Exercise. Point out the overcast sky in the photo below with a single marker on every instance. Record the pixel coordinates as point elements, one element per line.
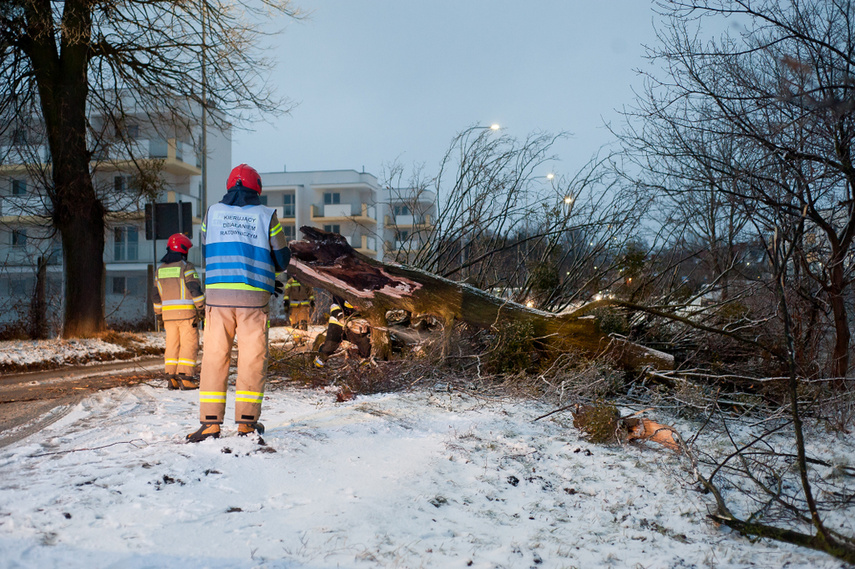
<point>376,81</point>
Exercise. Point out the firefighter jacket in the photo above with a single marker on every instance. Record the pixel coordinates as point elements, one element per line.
<point>177,291</point>
<point>297,295</point>
<point>245,248</point>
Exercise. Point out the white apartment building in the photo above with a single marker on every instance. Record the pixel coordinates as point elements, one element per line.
<point>381,223</point>
<point>408,222</point>
<point>343,201</point>
<point>128,256</point>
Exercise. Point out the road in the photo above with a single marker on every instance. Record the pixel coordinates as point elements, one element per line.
<point>31,401</point>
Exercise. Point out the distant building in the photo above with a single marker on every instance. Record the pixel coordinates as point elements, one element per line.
<point>381,223</point>
<point>26,236</point>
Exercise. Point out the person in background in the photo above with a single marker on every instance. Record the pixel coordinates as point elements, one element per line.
<point>245,248</point>
<point>344,324</point>
<point>299,303</point>
<point>178,299</point>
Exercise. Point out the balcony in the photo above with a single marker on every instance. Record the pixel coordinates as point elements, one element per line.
<point>366,245</point>
<point>330,213</point>
<point>25,208</point>
<point>178,157</point>
<point>408,221</point>
<point>14,158</point>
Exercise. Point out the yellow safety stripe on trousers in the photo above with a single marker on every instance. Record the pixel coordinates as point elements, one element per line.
<point>212,397</point>
<point>171,361</point>
<point>249,396</point>
<point>186,362</point>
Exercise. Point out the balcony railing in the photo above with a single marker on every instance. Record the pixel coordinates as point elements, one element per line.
<point>360,212</point>
<point>15,155</point>
<point>409,220</point>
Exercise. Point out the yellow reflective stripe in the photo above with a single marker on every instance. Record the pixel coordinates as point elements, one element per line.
<point>180,307</point>
<point>169,272</point>
<point>171,361</point>
<point>334,320</point>
<point>191,272</point>
<point>186,362</point>
<point>234,286</point>
<point>249,396</point>
<point>276,230</point>
<point>212,397</point>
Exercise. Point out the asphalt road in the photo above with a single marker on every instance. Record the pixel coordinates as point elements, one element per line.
<point>31,401</point>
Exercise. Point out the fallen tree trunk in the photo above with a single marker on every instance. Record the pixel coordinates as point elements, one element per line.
<point>327,261</point>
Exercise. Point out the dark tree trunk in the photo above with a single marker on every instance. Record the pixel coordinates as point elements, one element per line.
<point>327,261</point>
<point>60,68</point>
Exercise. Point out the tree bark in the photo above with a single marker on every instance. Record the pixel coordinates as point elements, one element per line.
<point>60,69</point>
<point>327,261</point>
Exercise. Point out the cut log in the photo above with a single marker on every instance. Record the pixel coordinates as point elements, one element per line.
<point>602,423</point>
<point>326,260</point>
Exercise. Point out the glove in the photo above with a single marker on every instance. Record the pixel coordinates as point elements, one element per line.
<point>279,287</point>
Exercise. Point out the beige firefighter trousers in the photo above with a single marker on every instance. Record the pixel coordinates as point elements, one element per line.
<point>222,324</point>
<point>182,346</point>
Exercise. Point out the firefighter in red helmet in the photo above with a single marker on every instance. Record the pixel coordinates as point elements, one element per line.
<point>245,248</point>
<point>178,298</point>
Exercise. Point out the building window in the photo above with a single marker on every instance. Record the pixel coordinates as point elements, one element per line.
<point>21,287</point>
<point>19,238</point>
<point>130,286</point>
<point>336,228</point>
<point>402,210</point>
<point>133,131</point>
<point>288,207</point>
<point>332,198</point>
<point>19,187</point>
<point>19,137</point>
<point>126,242</point>
<point>55,252</point>
<point>402,235</point>
<point>119,184</point>
<point>290,232</point>
<point>119,285</point>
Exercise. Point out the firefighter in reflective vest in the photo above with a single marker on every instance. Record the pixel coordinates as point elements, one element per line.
<point>344,324</point>
<point>245,247</point>
<point>299,302</point>
<point>178,298</point>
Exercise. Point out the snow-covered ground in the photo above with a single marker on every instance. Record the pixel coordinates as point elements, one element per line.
<point>417,479</point>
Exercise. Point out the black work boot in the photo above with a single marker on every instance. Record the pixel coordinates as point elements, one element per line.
<point>172,382</point>
<point>206,431</point>
<point>246,428</point>
<point>186,382</point>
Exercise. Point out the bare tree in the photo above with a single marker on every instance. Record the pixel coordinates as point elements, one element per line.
<point>64,63</point>
<point>765,121</point>
<point>507,228</point>
<point>762,123</point>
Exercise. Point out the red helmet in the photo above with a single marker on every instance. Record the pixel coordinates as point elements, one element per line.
<point>246,176</point>
<point>179,242</point>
